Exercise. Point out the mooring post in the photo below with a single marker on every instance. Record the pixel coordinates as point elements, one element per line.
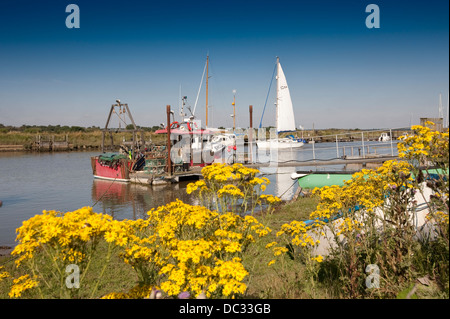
<point>337,147</point>
<point>103,141</point>
<point>391,138</point>
<point>169,162</point>
<point>313,150</point>
<point>250,134</point>
<point>362,139</point>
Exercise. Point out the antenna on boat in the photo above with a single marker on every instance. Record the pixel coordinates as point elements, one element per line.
<point>207,77</point>
<point>183,103</point>
<point>199,88</point>
<point>234,110</point>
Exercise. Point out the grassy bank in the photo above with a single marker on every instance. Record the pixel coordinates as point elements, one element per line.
<point>77,140</point>
<point>92,138</point>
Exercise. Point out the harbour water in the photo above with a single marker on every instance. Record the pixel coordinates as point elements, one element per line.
<point>63,181</point>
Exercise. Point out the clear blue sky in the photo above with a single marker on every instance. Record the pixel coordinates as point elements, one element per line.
<point>340,73</point>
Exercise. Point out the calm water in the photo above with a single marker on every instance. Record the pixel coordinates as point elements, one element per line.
<point>32,182</point>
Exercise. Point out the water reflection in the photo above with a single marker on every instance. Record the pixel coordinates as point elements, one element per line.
<point>133,201</point>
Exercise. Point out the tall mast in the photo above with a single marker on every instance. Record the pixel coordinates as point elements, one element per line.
<point>207,69</point>
<point>276,100</point>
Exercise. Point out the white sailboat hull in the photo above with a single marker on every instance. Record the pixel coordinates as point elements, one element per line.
<point>280,143</point>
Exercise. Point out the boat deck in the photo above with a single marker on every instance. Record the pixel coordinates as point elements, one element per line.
<point>348,160</point>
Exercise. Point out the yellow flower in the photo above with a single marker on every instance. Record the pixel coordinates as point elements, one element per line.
<point>231,190</point>
<point>3,274</point>
<point>270,263</point>
<point>318,259</point>
<point>20,285</point>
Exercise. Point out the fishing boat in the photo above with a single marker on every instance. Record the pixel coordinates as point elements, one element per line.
<point>285,119</point>
<point>130,158</point>
<point>191,144</point>
<point>111,166</point>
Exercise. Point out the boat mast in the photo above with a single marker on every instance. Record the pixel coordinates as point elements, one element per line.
<point>207,69</point>
<point>276,100</point>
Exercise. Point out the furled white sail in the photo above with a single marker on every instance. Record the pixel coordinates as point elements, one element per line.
<point>285,111</point>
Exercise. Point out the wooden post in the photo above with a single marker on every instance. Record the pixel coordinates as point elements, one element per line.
<point>169,161</point>
<point>314,152</point>
<point>112,140</point>
<point>103,141</point>
<point>337,147</point>
<point>392,147</point>
<point>362,139</point>
<point>250,134</point>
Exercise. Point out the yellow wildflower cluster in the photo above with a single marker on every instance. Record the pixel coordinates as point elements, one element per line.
<point>68,238</point>
<point>66,233</point>
<point>270,199</point>
<point>233,188</point>
<point>198,185</point>
<point>424,144</point>
<point>440,217</point>
<point>318,259</point>
<point>21,285</point>
<point>365,190</point>
<point>330,201</point>
<point>396,174</point>
<point>179,247</point>
<point>227,173</point>
<point>347,226</point>
<point>3,274</point>
<point>137,292</point>
<point>199,250</point>
<point>230,190</point>
<point>299,234</point>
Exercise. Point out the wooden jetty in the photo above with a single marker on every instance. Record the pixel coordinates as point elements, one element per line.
<point>11,148</point>
<point>49,143</point>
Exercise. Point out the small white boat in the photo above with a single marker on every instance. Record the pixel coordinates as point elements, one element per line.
<point>384,137</point>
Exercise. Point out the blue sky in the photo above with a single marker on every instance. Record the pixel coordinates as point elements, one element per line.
<point>340,73</point>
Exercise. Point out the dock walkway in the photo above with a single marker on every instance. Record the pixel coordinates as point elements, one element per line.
<point>194,173</point>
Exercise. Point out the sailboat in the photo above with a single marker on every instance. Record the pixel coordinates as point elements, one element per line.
<point>285,120</point>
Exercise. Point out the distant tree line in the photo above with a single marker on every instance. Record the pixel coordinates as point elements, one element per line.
<point>62,128</point>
